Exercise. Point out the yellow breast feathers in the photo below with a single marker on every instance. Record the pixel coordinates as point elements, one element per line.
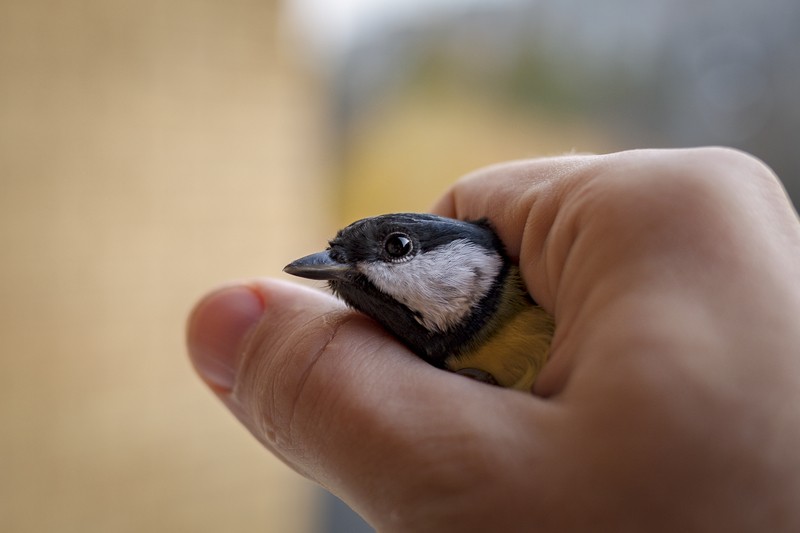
<point>517,348</point>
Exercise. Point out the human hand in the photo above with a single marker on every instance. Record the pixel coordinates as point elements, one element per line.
<point>671,400</point>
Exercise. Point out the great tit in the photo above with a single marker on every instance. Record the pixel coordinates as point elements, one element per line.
<point>444,287</point>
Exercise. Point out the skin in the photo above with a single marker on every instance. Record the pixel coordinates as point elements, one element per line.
<point>671,401</point>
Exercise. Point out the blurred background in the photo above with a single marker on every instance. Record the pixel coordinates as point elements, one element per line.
<point>150,150</point>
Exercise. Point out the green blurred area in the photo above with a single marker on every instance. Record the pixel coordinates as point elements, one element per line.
<point>423,98</point>
<point>405,157</point>
<point>443,121</point>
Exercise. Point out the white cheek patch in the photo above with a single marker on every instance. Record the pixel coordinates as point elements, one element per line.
<point>441,285</point>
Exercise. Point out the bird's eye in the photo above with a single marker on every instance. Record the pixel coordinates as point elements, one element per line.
<point>398,246</point>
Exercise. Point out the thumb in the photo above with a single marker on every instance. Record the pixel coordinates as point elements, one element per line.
<point>342,402</point>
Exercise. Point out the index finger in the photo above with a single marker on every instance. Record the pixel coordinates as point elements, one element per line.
<point>507,193</point>
<point>522,200</point>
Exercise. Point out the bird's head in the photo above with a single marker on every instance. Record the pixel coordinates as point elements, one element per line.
<point>428,279</point>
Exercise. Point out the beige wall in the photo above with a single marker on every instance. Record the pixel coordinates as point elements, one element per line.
<point>148,150</point>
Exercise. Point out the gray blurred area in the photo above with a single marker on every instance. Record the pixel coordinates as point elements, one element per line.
<point>645,73</point>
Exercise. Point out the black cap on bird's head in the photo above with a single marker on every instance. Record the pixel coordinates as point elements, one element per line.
<point>430,280</point>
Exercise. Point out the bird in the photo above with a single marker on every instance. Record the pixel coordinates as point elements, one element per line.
<point>444,287</point>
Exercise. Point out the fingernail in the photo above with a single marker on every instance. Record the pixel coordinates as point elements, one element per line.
<point>216,332</point>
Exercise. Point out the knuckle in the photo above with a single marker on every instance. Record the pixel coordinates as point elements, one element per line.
<point>683,185</point>
<point>658,202</point>
<point>731,167</point>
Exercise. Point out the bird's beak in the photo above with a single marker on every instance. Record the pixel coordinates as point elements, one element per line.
<point>317,266</point>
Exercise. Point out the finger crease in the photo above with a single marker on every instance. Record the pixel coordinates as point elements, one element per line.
<point>335,324</point>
